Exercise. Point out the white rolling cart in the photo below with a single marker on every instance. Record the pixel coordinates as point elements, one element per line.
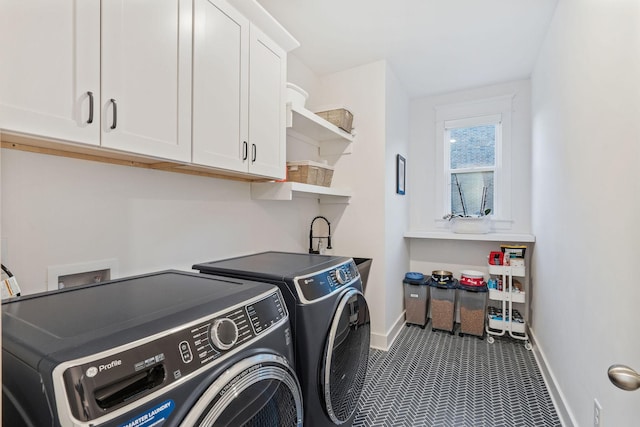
<point>507,319</point>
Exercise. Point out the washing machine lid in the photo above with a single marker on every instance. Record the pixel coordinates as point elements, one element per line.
<point>78,321</point>
<point>272,265</point>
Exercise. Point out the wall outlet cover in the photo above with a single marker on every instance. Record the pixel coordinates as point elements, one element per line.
<point>597,413</point>
<point>56,272</point>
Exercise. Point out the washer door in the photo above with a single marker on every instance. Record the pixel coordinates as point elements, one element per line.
<point>346,357</point>
<point>258,391</point>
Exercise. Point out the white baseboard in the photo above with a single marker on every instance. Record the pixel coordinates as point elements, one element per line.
<point>384,342</point>
<point>559,401</point>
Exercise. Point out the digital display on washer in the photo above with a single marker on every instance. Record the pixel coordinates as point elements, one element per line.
<point>96,386</point>
<point>265,313</point>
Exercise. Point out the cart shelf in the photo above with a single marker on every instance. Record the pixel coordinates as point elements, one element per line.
<point>507,270</point>
<point>500,322</point>
<point>500,325</point>
<point>496,295</point>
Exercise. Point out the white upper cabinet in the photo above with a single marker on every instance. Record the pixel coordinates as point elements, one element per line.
<point>127,88</point>
<point>194,82</point>
<point>220,86</point>
<point>50,76</point>
<point>238,93</point>
<point>267,106</point>
<point>146,77</point>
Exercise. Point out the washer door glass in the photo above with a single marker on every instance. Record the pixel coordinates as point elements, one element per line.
<point>258,391</point>
<point>346,357</point>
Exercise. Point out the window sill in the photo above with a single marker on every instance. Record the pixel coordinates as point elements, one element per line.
<point>488,237</point>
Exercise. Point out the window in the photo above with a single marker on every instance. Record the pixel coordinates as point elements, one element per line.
<point>476,168</point>
<point>471,147</point>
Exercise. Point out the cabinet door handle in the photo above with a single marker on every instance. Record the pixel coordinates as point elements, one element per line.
<point>115,113</point>
<point>90,107</point>
<point>245,150</point>
<point>254,152</point>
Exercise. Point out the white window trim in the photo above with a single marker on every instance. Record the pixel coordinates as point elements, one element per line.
<point>469,113</point>
<point>473,121</point>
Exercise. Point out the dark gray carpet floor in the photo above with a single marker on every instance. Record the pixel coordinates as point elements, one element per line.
<point>436,379</point>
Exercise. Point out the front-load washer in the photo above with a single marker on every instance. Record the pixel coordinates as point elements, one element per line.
<point>164,349</point>
<point>330,321</point>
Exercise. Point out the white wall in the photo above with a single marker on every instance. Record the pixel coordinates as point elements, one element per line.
<point>427,215</point>
<point>303,148</point>
<point>373,224</point>
<point>361,224</point>
<point>58,211</point>
<point>2,249</point>
<point>299,74</point>
<point>396,205</point>
<point>586,194</point>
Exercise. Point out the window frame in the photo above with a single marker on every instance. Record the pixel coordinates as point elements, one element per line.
<point>470,113</point>
<point>495,120</point>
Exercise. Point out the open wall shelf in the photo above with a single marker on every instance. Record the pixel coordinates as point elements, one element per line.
<point>287,190</point>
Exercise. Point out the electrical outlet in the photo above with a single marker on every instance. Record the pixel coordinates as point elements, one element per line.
<point>597,413</point>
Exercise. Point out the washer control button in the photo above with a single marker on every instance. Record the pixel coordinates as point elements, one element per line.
<point>341,277</point>
<point>224,333</point>
<point>185,352</point>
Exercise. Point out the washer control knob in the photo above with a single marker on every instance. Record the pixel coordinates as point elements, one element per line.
<point>224,333</point>
<point>341,277</point>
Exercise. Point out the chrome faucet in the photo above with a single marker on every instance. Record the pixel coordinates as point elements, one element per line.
<point>311,236</point>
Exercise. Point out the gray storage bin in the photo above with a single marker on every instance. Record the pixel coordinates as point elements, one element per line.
<point>416,300</point>
<point>443,303</point>
<point>473,301</point>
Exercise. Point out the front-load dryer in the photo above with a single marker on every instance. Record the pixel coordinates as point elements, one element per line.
<point>164,349</point>
<point>330,321</point>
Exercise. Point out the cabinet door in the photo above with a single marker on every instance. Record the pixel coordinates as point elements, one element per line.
<point>220,86</point>
<point>50,56</point>
<point>146,77</point>
<point>267,126</point>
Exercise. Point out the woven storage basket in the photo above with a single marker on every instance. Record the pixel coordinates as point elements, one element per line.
<point>308,172</point>
<point>339,117</point>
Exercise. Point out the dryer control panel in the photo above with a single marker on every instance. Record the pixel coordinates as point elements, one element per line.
<point>102,384</point>
<point>322,284</point>
<point>209,340</point>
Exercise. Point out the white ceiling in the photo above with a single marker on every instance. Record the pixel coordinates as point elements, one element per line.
<point>433,46</point>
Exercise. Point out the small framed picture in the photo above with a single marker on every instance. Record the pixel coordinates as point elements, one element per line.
<point>400,174</point>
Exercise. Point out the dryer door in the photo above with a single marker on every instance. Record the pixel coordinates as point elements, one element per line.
<point>346,356</point>
<point>258,391</point>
